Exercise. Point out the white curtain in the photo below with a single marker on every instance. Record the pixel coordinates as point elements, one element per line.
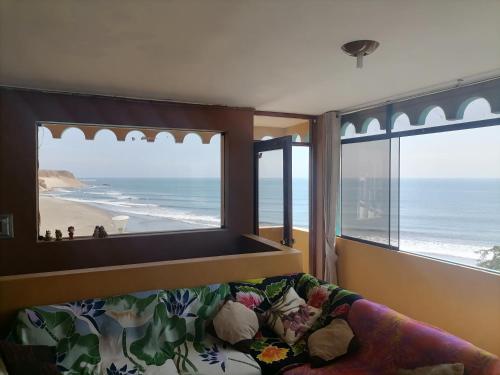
<point>331,130</point>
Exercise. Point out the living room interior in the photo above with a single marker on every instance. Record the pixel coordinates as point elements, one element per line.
<point>249,187</point>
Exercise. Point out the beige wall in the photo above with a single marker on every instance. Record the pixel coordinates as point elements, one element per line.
<point>301,129</point>
<point>19,291</point>
<point>461,300</point>
<point>301,237</point>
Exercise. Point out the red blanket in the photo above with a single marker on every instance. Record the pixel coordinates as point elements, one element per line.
<point>390,341</point>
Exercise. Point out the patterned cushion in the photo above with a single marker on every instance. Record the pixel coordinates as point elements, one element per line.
<point>261,294</point>
<point>334,301</point>
<point>291,317</point>
<point>274,355</point>
<point>268,349</point>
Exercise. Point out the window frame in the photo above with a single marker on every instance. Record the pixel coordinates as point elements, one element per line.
<point>464,125</point>
<point>142,128</point>
<point>428,130</point>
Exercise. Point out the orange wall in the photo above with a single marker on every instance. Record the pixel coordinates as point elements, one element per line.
<point>301,237</point>
<point>19,291</point>
<point>461,300</point>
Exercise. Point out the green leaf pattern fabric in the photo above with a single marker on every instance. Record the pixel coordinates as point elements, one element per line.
<point>163,331</point>
<point>135,334</point>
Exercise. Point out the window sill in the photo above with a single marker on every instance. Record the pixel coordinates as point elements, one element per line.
<point>420,255</point>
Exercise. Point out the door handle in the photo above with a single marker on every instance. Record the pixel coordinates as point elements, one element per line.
<point>283,242</point>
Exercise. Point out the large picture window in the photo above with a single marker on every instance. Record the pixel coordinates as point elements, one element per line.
<point>450,194</point>
<point>435,193</point>
<point>127,180</point>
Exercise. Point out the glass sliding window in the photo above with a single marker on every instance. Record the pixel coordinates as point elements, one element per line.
<point>431,186</point>
<point>394,194</point>
<point>300,182</point>
<point>365,190</point>
<point>270,185</point>
<point>127,180</point>
<point>450,196</point>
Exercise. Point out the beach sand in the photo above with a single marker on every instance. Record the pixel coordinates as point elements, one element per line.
<point>59,214</point>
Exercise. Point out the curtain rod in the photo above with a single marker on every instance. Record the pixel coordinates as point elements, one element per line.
<point>451,85</point>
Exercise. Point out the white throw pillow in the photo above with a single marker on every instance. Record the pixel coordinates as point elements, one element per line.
<point>330,342</point>
<point>235,322</point>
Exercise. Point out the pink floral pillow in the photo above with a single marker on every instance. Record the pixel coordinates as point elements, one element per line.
<point>291,317</point>
<point>249,299</point>
<point>318,295</point>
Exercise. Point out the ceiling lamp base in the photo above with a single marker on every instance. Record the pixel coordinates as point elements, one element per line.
<point>360,49</point>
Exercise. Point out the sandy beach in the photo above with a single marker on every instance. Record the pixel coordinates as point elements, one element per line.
<point>57,213</point>
<point>150,205</point>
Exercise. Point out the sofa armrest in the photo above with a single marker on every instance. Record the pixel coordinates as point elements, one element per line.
<point>386,335</point>
<point>334,301</point>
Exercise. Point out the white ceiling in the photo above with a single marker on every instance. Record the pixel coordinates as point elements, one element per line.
<point>274,55</point>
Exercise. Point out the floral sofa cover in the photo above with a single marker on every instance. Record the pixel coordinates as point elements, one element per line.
<point>165,332</point>
<point>154,332</point>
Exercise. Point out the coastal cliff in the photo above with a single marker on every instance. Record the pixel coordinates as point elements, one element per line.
<point>49,179</point>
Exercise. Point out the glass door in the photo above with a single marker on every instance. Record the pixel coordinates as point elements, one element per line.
<point>273,189</point>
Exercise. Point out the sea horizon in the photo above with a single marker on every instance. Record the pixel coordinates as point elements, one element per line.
<point>458,217</point>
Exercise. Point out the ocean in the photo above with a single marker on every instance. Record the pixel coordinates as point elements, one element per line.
<point>158,204</point>
<point>448,217</point>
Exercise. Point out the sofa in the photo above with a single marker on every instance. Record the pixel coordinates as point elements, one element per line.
<point>169,332</point>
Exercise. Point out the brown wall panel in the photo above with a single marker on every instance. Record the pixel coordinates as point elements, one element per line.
<point>20,110</point>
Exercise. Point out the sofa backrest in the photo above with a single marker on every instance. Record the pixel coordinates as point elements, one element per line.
<point>148,328</point>
<point>260,294</point>
<point>144,328</point>
<point>392,341</point>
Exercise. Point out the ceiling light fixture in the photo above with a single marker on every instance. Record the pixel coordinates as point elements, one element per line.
<point>359,49</point>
